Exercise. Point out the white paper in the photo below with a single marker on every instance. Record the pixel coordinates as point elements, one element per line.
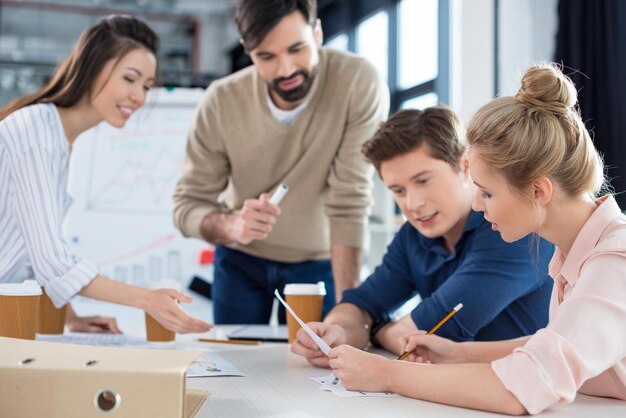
<point>99,339</point>
<point>208,364</point>
<point>212,365</point>
<point>320,343</point>
<point>332,384</point>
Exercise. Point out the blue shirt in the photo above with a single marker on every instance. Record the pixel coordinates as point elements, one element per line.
<point>505,288</point>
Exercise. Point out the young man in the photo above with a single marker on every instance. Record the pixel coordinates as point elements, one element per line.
<point>446,252</point>
<point>298,116</point>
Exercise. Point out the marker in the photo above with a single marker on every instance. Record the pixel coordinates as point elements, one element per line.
<point>436,327</point>
<point>278,195</point>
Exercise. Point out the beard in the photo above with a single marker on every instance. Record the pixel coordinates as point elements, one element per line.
<point>297,93</point>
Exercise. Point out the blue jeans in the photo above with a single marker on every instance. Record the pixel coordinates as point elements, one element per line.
<point>243,285</point>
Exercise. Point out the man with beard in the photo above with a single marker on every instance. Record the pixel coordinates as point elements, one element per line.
<point>298,116</point>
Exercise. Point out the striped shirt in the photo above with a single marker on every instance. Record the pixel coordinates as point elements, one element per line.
<point>34,160</point>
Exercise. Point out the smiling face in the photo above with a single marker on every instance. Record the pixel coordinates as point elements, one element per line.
<point>122,86</point>
<point>509,213</point>
<point>434,197</point>
<point>287,59</point>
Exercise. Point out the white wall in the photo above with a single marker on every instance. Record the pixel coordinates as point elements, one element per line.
<point>472,60</point>
<point>527,34</point>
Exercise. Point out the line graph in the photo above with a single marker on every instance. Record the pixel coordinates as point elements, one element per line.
<point>135,170</point>
<point>122,182</point>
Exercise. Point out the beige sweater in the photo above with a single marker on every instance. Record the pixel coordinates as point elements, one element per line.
<point>238,150</point>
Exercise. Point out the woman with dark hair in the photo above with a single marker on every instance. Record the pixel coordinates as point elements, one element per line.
<point>105,78</point>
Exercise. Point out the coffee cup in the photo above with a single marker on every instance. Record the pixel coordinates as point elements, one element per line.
<point>307,301</point>
<point>155,332</point>
<point>19,309</point>
<point>51,318</point>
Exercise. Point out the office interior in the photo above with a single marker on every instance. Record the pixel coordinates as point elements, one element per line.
<point>453,52</point>
<point>460,53</point>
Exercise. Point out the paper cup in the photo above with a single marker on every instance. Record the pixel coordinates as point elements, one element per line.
<point>19,309</point>
<point>307,301</point>
<point>155,332</point>
<point>51,319</point>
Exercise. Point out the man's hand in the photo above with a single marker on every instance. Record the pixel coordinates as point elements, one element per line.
<point>304,345</point>
<point>254,221</point>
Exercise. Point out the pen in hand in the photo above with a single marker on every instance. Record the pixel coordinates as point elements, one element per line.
<point>436,327</point>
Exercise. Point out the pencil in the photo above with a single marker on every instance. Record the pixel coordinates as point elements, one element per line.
<point>244,342</point>
<point>436,327</point>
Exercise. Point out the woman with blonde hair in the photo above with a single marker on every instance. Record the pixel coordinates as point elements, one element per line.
<point>538,171</point>
<point>105,78</point>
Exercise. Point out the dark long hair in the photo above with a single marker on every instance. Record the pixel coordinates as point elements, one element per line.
<point>111,38</point>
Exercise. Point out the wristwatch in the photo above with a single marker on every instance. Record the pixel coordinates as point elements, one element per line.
<point>376,326</point>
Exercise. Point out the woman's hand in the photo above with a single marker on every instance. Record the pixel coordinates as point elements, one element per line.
<point>163,305</point>
<point>427,348</point>
<point>359,370</point>
<point>92,324</point>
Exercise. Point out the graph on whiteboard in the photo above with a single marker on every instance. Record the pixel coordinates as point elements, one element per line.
<point>135,169</point>
<point>122,181</point>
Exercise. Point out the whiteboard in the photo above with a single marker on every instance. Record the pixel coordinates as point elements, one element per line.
<point>122,182</point>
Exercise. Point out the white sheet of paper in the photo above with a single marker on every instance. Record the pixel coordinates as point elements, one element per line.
<point>98,339</point>
<point>208,364</point>
<point>320,343</point>
<point>332,384</point>
<point>212,365</point>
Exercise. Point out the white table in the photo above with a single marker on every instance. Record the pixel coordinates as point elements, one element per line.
<point>277,383</point>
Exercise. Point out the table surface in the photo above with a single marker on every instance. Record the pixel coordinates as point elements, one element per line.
<point>278,384</point>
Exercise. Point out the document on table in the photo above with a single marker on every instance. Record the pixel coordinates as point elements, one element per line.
<point>330,382</point>
<point>212,365</point>
<point>333,384</point>
<point>99,339</point>
<point>208,364</point>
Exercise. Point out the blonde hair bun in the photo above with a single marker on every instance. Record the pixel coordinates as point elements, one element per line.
<point>538,133</point>
<point>547,88</point>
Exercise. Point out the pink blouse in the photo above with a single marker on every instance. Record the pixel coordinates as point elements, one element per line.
<point>583,347</point>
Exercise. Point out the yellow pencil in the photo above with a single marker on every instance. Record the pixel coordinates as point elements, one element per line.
<point>436,327</point>
<point>244,342</point>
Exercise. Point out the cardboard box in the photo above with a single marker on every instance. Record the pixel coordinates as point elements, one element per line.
<point>53,380</point>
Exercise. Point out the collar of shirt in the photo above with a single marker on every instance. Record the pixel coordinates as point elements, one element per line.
<point>287,117</point>
<point>568,267</point>
<point>437,245</point>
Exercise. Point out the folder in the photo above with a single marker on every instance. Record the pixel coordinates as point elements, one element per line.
<point>54,380</point>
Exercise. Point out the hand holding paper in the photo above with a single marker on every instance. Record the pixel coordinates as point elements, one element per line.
<point>316,338</point>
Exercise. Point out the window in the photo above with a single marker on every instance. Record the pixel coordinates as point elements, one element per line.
<point>372,41</point>
<point>405,40</point>
<point>420,102</point>
<point>340,41</point>
<point>417,42</point>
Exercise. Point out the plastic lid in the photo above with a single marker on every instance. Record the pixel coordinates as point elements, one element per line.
<point>305,289</point>
<point>26,288</point>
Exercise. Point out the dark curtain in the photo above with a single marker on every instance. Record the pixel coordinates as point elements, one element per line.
<point>591,44</point>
